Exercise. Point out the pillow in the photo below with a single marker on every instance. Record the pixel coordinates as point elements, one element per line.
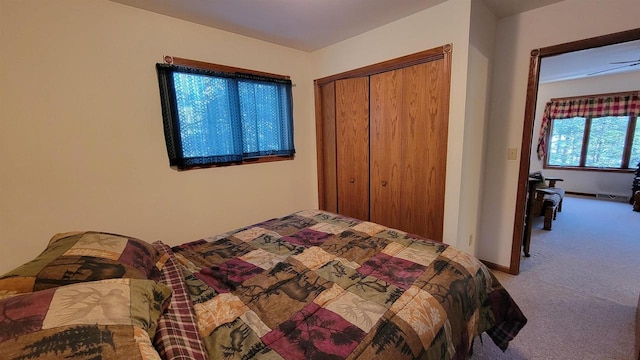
<point>177,336</point>
<point>108,319</point>
<point>82,256</point>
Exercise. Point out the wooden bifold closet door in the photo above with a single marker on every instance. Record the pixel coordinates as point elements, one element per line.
<point>352,147</point>
<point>382,141</point>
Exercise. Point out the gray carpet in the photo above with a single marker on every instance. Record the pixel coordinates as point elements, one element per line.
<point>579,289</point>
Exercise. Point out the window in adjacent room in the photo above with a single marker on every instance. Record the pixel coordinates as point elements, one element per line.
<point>611,142</point>
<point>218,115</point>
<point>597,132</point>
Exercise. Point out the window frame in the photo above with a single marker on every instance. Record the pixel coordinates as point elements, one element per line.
<point>171,60</point>
<point>626,152</point>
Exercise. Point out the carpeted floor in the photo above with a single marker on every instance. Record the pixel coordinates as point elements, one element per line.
<point>579,289</point>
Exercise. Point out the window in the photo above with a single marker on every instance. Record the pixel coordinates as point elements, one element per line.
<point>608,142</point>
<point>591,132</point>
<point>214,117</point>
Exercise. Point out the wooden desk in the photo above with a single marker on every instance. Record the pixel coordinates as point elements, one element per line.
<point>528,217</point>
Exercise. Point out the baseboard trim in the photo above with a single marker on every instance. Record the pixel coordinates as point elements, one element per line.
<point>580,193</point>
<point>493,266</point>
<point>611,197</point>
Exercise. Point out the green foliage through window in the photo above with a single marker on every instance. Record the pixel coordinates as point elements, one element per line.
<point>609,142</point>
<point>215,117</point>
<point>566,142</point>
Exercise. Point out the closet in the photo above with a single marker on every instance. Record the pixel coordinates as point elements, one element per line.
<point>382,142</point>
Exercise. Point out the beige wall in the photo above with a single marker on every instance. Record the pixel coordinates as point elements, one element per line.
<point>590,182</point>
<point>562,22</point>
<point>439,25</point>
<point>481,54</point>
<point>81,137</point>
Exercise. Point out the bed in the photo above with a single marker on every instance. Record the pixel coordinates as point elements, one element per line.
<point>309,285</point>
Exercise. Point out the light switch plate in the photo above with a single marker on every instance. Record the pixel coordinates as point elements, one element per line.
<point>512,153</point>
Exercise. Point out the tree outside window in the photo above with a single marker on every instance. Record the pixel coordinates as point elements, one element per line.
<point>594,132</point>
<point>609,142</point>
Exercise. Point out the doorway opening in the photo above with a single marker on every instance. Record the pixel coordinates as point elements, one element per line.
<point>527,133</point>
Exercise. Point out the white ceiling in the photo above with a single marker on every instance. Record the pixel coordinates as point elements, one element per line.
<point>307,25</point>
<point>591,62</point>
<point>504,8</point>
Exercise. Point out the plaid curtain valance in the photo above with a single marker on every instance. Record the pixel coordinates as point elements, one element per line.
<point>626,105</point>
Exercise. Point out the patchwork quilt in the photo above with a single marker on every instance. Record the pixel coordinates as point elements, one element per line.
<point>106,319</point>
<point>316,285</point>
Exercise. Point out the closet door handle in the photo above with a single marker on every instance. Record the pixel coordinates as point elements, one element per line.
<point>384,183</point>
<point>352,180</point>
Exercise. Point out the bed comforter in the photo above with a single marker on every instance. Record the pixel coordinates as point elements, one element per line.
<point>316,285</point>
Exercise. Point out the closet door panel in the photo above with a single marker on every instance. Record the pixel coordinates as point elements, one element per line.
<point>329,183</point>
<point>386,154</point>
<point>424,147</point>
<point>352,147</point>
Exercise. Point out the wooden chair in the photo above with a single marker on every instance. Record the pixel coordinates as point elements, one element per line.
<point>548,198</point>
